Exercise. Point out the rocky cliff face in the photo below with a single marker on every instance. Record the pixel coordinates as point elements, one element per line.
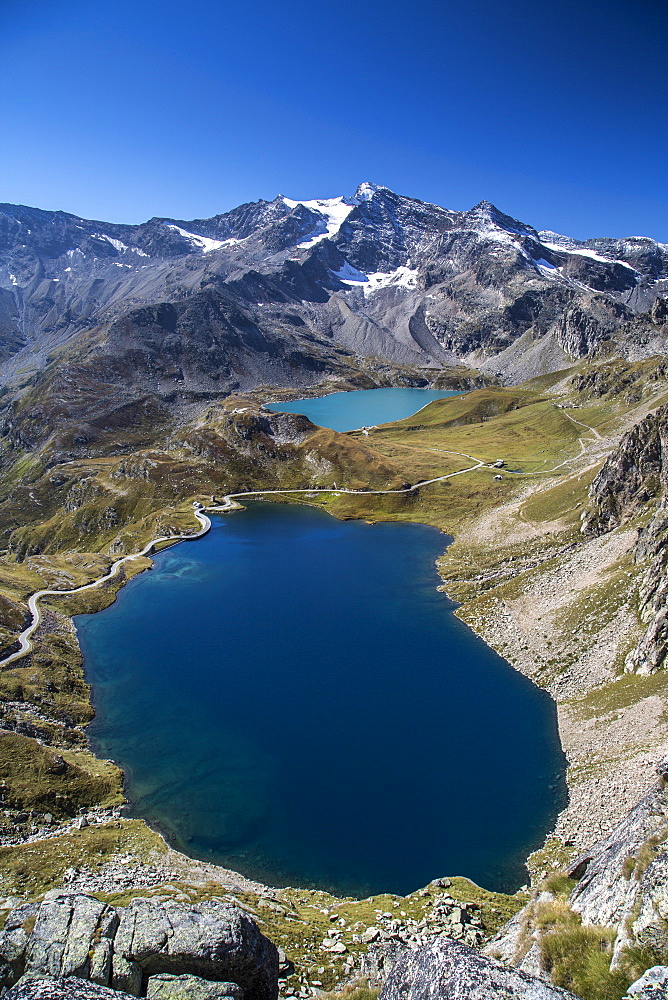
<point>635,474</point>
<point>632,483</point>
<point>620,895</point>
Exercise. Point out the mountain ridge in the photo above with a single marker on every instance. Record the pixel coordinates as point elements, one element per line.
<point>378,274</point>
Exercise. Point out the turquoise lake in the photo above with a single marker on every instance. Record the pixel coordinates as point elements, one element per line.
<point>291,697</point>
<point>347,411</point>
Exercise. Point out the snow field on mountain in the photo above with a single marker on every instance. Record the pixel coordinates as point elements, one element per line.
<point>402,277</point>
<point>335,210</point>
<point>203,242</point>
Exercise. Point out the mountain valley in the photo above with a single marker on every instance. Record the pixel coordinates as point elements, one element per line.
<point>136,362</point>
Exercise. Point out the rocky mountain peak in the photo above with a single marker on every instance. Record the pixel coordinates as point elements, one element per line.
<point>377,273</point>
<point>366,190</point>
<point>486,214</point>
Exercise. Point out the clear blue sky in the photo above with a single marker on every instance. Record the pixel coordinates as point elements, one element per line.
<point>124,109</point>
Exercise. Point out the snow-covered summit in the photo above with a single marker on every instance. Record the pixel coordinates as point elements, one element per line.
<point>366,190</point>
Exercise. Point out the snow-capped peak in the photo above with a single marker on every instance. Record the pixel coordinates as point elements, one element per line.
<point>367,190</point>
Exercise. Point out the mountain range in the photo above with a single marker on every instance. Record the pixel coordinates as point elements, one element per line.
<point>279,292</point>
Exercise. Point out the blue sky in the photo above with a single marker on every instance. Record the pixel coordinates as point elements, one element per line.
<point>124,109</point>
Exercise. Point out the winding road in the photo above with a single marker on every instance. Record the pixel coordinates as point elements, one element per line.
<point>229,503</point>
<point>25,640</point>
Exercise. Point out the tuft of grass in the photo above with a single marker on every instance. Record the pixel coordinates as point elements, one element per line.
<point>560,884</point>
<point>578,959</point>
<point>354,992</point>
<point>628,866</point>
<point>556,913</point>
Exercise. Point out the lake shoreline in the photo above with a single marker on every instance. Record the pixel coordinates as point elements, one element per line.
<point>437,544</point>
<point>230,503</point>
<point>478,628</point>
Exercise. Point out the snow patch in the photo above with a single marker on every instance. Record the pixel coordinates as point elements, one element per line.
<point>350,274</point>
<point>12,278</point>
<point>116,244</point>
<point>202,243</point>
<point>67,269</point>
<point>120,246</point>
<point>335,212</point>
<point>402,277</point>
<point>563,247</point>
<point>546,264</point>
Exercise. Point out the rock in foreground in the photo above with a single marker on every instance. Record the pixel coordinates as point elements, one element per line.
<point>165,987</point>
<point>447,969</point>
<point>48,988</point>
<point>76,935</point>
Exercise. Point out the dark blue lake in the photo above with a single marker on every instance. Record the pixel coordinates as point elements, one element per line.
<point>292,697</point>
<point>347,411</point>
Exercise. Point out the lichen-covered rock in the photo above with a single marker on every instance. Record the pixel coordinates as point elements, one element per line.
<point>448,969</point>
<point>608,889</point>
<point>166,987</point>
<point>49,988</point>
<point>215,940</point>
<point>125,976</point>
<point>72,933</point>
<point>14,941</point>
<point>646,924</point>
<point>76,935</point>
<point>652,985</point>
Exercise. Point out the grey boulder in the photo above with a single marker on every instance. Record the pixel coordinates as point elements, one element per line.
<point>13,943</point>
<point>448,969</point>
<point>76,935</point>
<point>166,987</point>
<point>652,985</point>
<point>214,940</point>
<point>49,988</point>
<point>72,936</point>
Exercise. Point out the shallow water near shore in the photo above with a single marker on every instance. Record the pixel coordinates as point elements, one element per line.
<point>291,697</point>
<point>348,411</point>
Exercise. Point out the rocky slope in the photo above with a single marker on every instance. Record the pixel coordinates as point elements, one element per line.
<point>633,479</point>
